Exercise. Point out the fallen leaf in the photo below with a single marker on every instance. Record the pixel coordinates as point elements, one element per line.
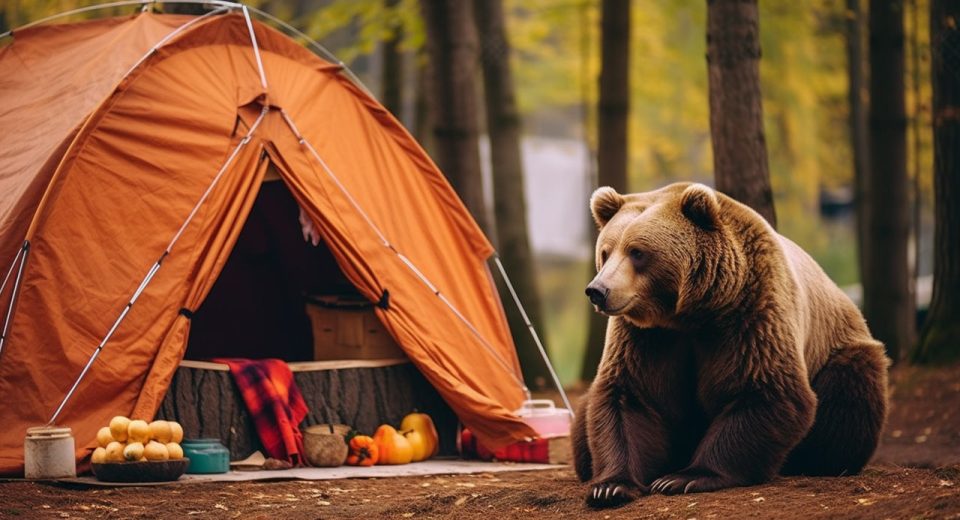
<point>407,515</point>
<point>466,484</point>
<point>691,504</point>
<point>865,501</point>
<point>325,503</point>
<point>946,483</point>
<point>920,439</point>
<point>759,499</point>
<point>460,501</point>
<point>896,434</point>
<point>220,506</point>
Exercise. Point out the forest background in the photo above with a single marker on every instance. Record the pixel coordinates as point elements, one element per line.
<point>555,61</point>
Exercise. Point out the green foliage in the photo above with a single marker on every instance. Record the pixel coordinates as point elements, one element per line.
<point>359,26</point>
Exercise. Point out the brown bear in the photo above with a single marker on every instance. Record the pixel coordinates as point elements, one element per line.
<point>729,354</point>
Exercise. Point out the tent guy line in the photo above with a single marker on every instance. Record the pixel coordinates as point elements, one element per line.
<point>533,333</point>
<point>156,266</point>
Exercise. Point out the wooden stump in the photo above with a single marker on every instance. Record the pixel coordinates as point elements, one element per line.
<point>207,403</point>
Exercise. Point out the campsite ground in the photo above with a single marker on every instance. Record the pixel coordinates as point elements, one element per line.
<point>916,474</point>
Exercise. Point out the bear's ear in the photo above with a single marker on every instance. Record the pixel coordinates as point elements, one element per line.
<point>699,204</point>
<point>604,204</point>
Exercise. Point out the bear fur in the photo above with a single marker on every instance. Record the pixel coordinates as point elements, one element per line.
<point>729,354</point>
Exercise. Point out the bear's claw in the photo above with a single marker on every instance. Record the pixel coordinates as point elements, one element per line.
<point>609,494</point>
<point>673,485</point>
<point>678,483</point>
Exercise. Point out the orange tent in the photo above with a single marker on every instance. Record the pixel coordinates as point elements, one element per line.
<point>131,153</point>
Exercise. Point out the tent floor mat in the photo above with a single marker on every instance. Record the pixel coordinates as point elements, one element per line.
<point>425,468</point>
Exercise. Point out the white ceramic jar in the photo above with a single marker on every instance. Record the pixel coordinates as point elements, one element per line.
<point>49,452</point>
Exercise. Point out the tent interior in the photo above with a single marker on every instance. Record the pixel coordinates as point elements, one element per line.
<point>256,308</point>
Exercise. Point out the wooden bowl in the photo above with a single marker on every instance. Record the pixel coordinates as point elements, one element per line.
<point>141,471</point>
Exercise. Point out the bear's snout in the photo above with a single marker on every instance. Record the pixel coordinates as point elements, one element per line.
<point>597,294</point>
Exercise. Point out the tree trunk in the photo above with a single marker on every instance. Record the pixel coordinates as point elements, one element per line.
<point>614,107</point>
<point>859,137</point>
<point>452,47</point>
<point>509,206</point>
<point>196,9</point>
<point>422,118</point>
<point>887,300</point>
<point>392,81</point>
<point>940,339</point>
<point>736,112</point>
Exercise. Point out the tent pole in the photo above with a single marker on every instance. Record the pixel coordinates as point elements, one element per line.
<point>13,264</point>
<point>170,36</point>
<point>256,48</point>
<point>518,378</point>
<point>533,333</point>
<point>121,3</point>
<point>156,266</point>
<point>319,48</point>
<point>22,256</point>
<point>222,5</point>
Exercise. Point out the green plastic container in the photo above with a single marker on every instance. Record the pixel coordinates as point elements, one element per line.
<point>206,455</point>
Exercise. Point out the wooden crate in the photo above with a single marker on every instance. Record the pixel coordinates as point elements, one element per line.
<point>350,332</point>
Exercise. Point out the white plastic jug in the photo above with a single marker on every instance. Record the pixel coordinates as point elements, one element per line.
<point>544,417</point>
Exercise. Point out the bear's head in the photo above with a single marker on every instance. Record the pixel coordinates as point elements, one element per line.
<point>659,253</point>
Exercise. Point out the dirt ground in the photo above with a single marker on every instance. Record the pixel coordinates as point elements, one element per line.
<point>915,474</point>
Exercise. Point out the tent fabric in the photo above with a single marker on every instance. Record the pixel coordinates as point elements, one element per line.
<point>108,162</point>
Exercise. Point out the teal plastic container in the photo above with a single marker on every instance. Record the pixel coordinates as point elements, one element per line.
<point>206,455</point>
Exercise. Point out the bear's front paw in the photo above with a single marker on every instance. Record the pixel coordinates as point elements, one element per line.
<point>687,482</point>
<point>610,494</point>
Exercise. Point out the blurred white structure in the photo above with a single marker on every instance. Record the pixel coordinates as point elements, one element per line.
<point>558,187</point>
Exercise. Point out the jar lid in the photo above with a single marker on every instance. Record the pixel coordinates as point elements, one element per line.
<point>204,441</point>
<point>48,432</point>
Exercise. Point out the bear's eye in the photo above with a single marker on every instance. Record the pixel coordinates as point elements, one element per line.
<point>603,256</point>
<point>638,258</point>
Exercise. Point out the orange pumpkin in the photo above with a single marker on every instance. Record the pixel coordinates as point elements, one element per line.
<point>363,451</point>
<point>394,448</point>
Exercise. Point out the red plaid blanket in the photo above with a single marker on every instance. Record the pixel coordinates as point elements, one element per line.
<point>275,404</point>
